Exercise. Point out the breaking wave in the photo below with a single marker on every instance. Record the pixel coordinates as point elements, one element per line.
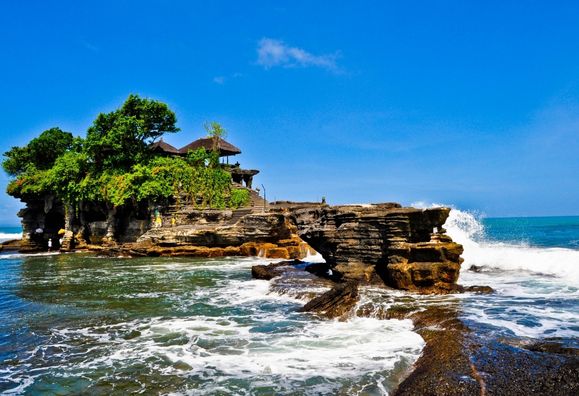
<point>488,255</point>
<point>536,287</point>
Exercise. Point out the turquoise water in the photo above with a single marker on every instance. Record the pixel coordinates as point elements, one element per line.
<point>535,231</point>
<point>75,323</point>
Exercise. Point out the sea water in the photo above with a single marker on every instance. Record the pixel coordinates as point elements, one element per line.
<point>77,323</point>
<point>532,263</point>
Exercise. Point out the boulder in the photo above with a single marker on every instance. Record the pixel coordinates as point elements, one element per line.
<point>273,270</point>
<point>336,302</point>
<point>266,272</point>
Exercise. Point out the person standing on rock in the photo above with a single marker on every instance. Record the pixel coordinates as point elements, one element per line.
<point>49,244</point>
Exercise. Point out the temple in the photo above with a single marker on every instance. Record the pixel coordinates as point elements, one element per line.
<point>243,177</point>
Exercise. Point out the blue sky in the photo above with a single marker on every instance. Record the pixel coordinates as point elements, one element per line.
<point>474,104</point>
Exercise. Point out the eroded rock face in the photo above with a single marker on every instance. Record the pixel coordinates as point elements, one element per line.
<point>267,235</point>
<point>254,227</point>
<point>405,248</point>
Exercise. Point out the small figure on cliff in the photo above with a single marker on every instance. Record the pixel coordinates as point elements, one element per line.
<point>158,221</point>
<point>173,221</point>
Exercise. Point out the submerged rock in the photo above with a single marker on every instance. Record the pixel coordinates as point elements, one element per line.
<point>265,272</point>
<point>479,289</point>
<point>336,302</point>
<point>271,271</point>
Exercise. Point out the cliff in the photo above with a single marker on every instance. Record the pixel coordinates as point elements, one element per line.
<point>404,248</point>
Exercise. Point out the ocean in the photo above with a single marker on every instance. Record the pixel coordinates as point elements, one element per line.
<point>76,323</point>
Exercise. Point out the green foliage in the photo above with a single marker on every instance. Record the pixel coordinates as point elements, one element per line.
<point>40,153</point>
<point>216,132</point>
<point>119,139</point>
<point>239,198</point>
<point>65,176</point>
<point>114,165</point>
<point>30,183</point>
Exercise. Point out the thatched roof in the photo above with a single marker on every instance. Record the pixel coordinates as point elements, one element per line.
<point>163,147</point>
<point>225,148</point>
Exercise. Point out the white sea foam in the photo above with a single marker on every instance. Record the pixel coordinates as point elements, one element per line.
<point>7,236</point>
<point>223,348</point>
<point>20,255</point>
<point>314,258</point>
<point>536,288</point>
<point>466,229</point>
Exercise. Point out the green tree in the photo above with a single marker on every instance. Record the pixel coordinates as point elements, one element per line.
<point>65,176</point>
<point>216,132</point>
<point>113,166</point>
<point>40,153</point>
<point>120,139</point>
<point>239,197</point>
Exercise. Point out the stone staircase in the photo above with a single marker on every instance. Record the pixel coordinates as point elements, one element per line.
<point>256,205</point>
<point>257,202</point>
<point>238,214</point>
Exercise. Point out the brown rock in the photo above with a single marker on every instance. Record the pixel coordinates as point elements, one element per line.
<point>272,270</point>
<point>335,302</point>
<point>405,248</point>
<point>253,227</point>
<point>14,244</point>
<point>277,253</point>
<point>265,272</point>
<point>479,289</point>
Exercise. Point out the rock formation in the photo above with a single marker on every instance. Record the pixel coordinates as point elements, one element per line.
<point>270,271</point>
<point>405,248</point>
<point>251,234</point>
<point>336,302</point>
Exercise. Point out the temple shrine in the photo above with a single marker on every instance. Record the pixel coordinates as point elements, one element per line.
<point>243,177</point>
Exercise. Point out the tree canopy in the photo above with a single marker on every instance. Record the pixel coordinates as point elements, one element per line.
<point>119,139</point>
<point>115,166</point>
<point>40,153</point>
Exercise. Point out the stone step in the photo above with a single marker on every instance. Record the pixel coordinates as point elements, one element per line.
<point>238,214</point>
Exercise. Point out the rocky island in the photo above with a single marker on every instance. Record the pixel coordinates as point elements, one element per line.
<point>125,190</point>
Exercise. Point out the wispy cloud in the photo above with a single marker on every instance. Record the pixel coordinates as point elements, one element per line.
<point>272,53</point>
<point>89,46</point>
<point>220,80</point>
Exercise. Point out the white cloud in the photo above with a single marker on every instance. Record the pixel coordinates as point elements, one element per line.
<point>220,80</point>
<point>272,53</point>
<point>89,46</point>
